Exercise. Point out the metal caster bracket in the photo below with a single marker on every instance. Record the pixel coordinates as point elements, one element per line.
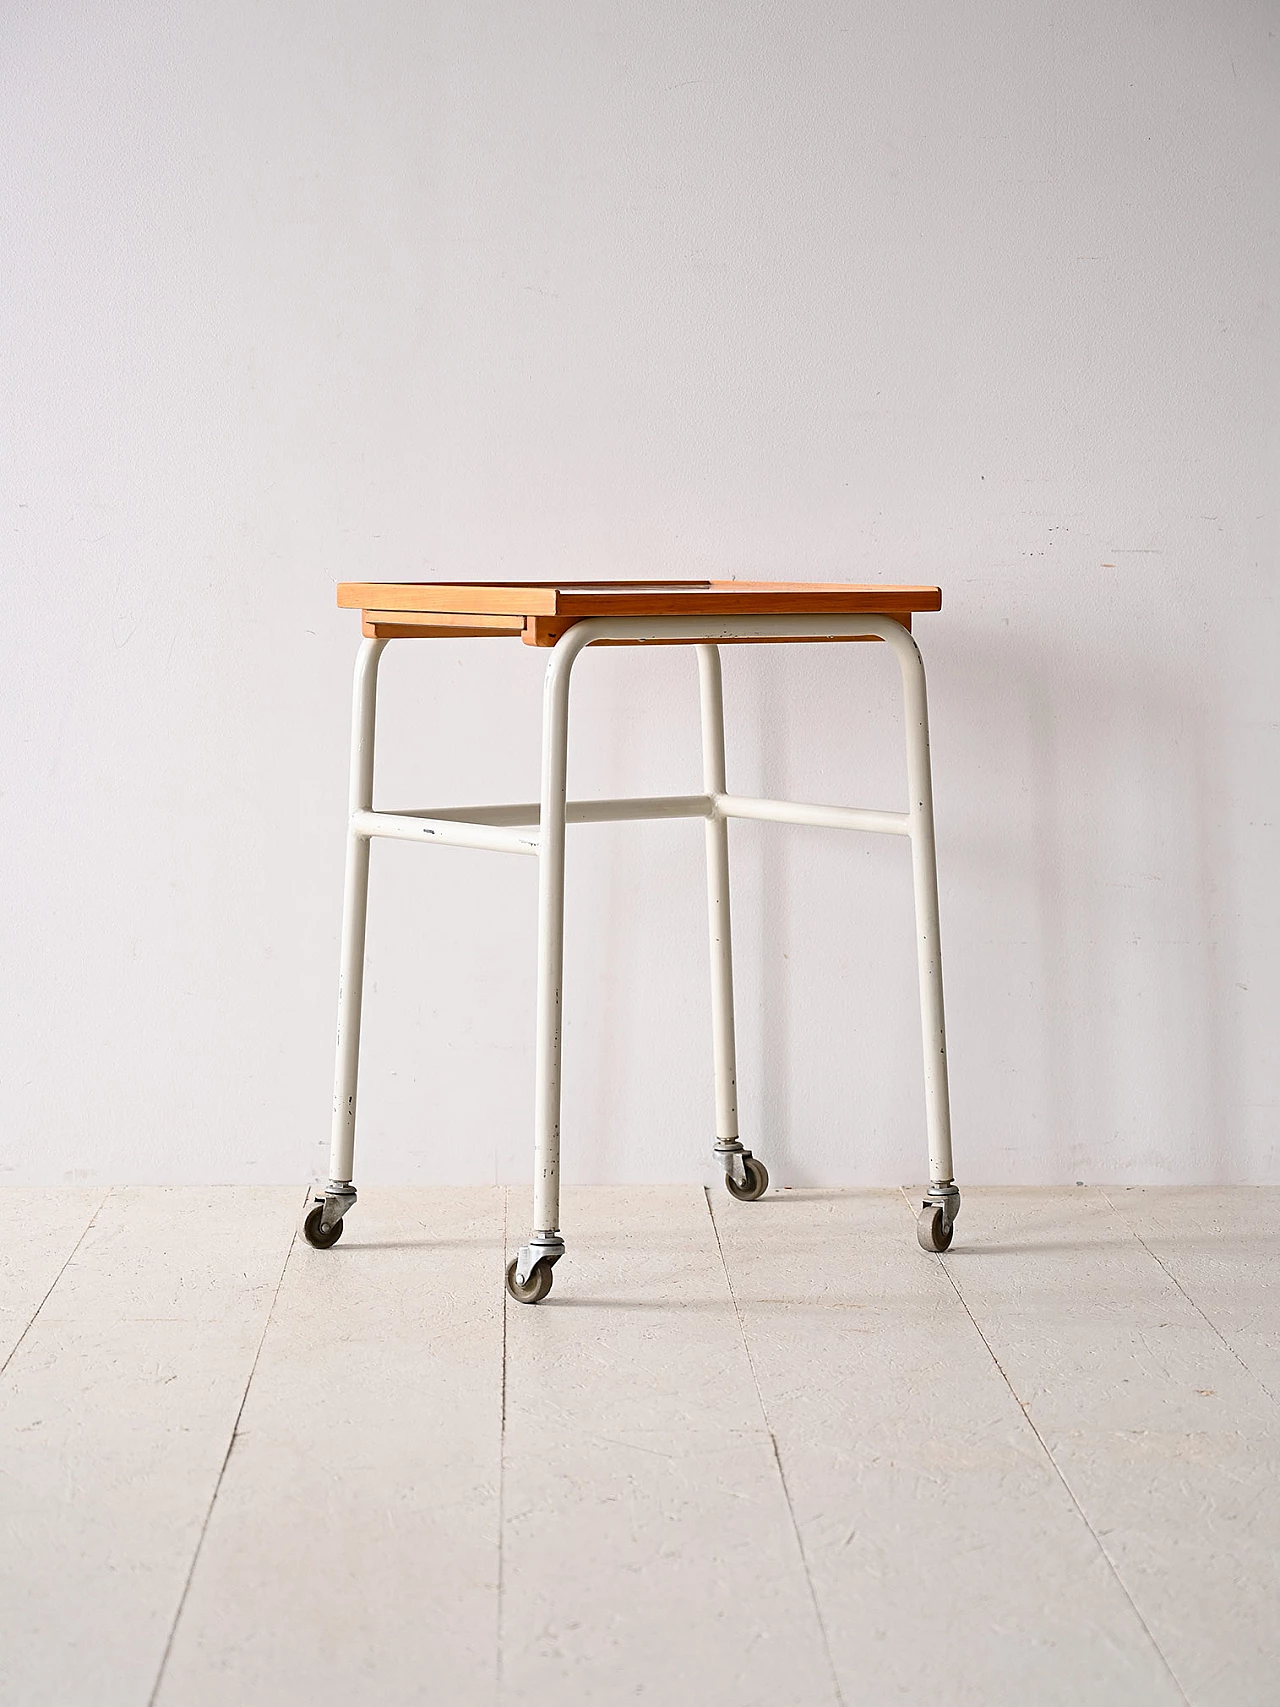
<point>944,1195</point>
<point>542,1247</point>
<point>338,1196</point>
<point>733,1159</point>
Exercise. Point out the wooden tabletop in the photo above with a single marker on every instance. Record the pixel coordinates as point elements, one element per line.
<point>540,611</point>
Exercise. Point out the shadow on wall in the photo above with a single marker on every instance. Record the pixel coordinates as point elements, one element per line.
<point>1080,802</point>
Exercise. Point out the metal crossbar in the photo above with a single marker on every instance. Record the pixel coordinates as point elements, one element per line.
<point>489,827</point>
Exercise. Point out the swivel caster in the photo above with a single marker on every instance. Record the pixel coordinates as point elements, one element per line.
<point>316,1233</point>
<point>754,1184</point>
<point>322,1226</point>
<point>934,1228</point>
<point>535,1288</point>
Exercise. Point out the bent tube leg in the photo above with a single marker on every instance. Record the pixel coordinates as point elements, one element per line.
<point>718,912</point>
<point>924,869</point>
<point>550,976</point>
<point>354,912</point>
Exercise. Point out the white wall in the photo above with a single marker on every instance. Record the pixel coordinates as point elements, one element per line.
<point>979,294</point>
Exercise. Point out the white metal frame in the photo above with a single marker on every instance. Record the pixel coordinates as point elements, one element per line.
<point>539,829</point>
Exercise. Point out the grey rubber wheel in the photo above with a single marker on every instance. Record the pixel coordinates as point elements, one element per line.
<point>933,1229</point>
<point>755,1185</point>
<point>535,1288</point>
<point>315,1234</point>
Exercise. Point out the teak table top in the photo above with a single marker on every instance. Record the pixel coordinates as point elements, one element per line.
<point>540,611</point>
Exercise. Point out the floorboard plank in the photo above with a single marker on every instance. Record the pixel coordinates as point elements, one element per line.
<point>1170,1446</point>
<point>949,1562</point>
<point>1019,1472</point>
<point>1222,1246</point>
<point>352,1554</point>
<point>648,1549</point>
<point>43,1227</point>
<point>115,1414</point>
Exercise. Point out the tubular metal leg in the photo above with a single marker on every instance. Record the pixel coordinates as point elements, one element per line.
<point>728,1146</point>
<point>545,1245</point>
<point>942,1193</point>
<point>340,1194</point>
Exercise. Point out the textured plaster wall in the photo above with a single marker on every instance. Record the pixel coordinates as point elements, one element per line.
<point>981,294</point>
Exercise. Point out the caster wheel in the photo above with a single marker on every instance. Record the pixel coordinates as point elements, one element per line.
<point>535,1288</point>
<point>933,1229</point>
<point>315,1234</point>
<point>755,1185</point>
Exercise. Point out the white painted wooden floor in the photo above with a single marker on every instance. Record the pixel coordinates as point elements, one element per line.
<point>745,1453</point>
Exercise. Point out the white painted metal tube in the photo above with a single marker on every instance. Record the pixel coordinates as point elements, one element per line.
<point>576,811</point>
<point>824,817</point>
<point>924,869</point>
<point>724,1051</point>
<point>550,972</point>
<point>409,827</point>
<point>355,904</point>
<point>643,807</point>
